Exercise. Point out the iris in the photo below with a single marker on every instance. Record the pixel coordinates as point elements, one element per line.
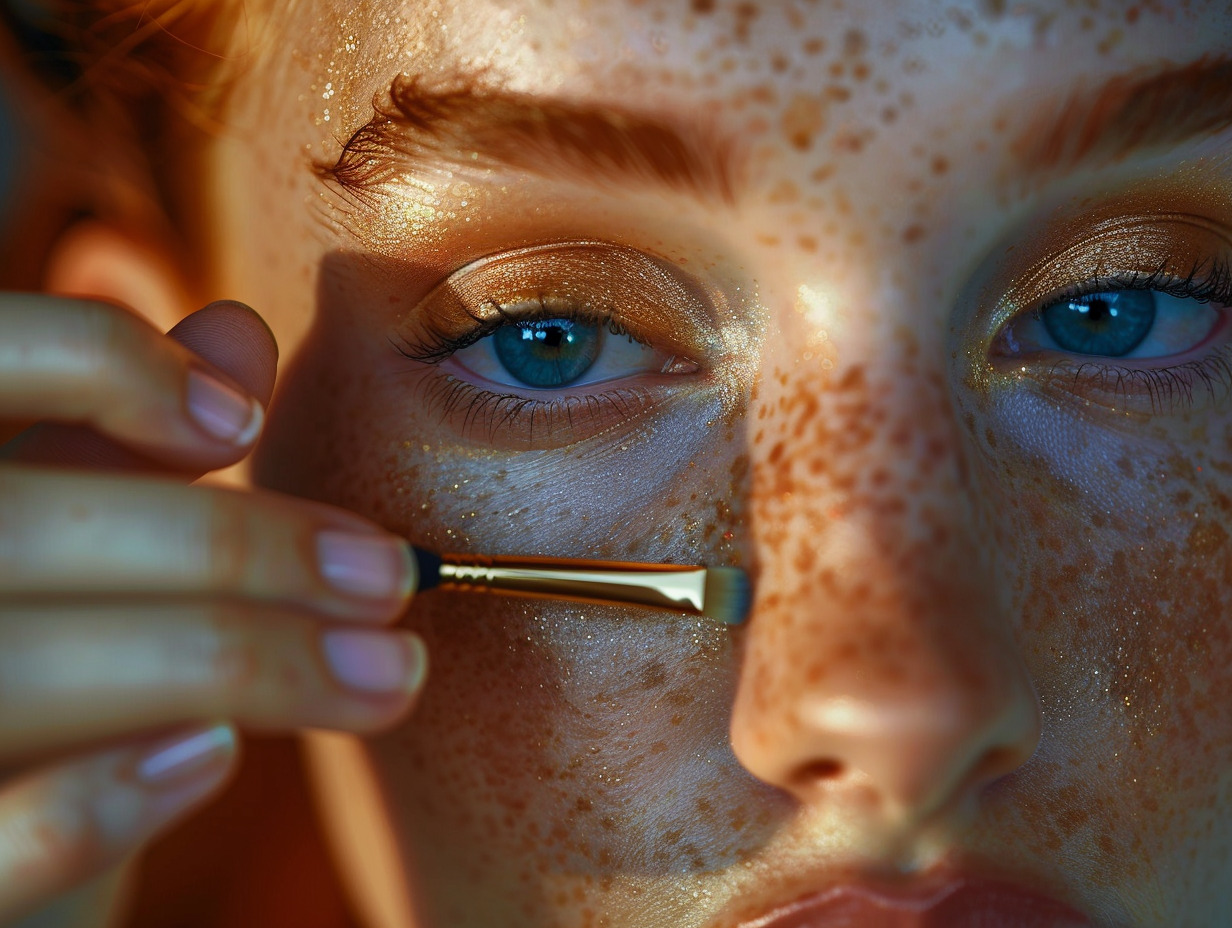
<point>547,353</point>
<point>1112,323</point>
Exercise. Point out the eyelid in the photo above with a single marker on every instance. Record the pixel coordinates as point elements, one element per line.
<point>647,296</point>
<point>1168,245</point>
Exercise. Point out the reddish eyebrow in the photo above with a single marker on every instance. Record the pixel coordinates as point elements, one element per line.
<point>549,138</point>
<point>1130,113</point>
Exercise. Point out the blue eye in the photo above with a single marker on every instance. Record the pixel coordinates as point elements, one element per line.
<point>547,353</point>
<point>1128,323</point>
<point>1112,324</point>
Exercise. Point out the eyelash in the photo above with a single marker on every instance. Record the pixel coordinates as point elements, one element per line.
<point>493,411</point>
<point>1208,281</point>
<point>437,346</point>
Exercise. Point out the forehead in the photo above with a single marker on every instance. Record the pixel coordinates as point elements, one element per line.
<point>682,49</point>
<point>810,85</point>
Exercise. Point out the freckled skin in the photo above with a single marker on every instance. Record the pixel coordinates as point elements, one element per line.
<point>988,627</point>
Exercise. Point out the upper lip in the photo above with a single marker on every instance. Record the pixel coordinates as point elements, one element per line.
<point>949,900</point>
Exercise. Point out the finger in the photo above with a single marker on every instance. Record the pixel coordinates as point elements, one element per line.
<point>92,364</point>
<point>62,826</point>
<point>226,334</point>
<point>71,673</point>
<point>233,338</point>
<point>66,533</point>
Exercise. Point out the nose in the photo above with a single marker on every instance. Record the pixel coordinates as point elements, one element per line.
<point>878,656</point>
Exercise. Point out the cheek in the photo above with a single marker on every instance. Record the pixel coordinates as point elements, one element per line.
<point>554,740</point>
<point>558,742</point>
<point>1120,568</point>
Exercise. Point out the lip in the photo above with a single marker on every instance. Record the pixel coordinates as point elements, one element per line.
<point>957,903</point>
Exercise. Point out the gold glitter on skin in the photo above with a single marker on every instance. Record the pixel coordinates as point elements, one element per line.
<point>595,767</point>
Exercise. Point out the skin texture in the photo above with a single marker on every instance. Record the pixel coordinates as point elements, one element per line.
<point>988,628</point>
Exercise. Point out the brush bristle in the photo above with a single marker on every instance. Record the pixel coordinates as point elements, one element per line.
<point>728,594</point>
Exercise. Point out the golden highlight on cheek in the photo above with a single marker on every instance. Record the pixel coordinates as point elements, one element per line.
<point>1121,622</point>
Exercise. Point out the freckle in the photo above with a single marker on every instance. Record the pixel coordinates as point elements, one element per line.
<point>807,243</point>
<point>779,64</point>
<point>822,174</point>
<point>1132,14</point>
<point>769,240</point>
<point>745,14</point>
<point>814,46</point>
<point>802,120</point>
<point>838,69</point>
<point>850,141</point>
<point>784,192</point>
<point>764,93</point>
<point>855,43</point>
<point>940,165</point>
<point>702,7</point>
<point>1110,42</point>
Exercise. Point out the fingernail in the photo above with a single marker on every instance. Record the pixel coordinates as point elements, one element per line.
<point>162,782</point>
<point>373,566</point>
<point>184,756</point>
<point>221,411</point>
<point>375,662</point>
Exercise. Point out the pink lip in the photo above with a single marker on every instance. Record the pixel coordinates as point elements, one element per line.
<point>962,903</point>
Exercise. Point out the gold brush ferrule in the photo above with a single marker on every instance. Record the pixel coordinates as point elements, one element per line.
<point>613,582</point>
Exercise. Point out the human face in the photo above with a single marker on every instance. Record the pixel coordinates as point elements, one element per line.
<point>991,570</point>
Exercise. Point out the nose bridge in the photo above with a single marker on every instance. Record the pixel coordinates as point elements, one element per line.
<point>876,651</point>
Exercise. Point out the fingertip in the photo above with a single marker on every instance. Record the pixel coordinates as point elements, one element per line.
<point>221,411</point>
<point>417,663</point>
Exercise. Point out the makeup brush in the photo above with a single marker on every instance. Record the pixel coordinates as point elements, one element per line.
<point>720,593</point>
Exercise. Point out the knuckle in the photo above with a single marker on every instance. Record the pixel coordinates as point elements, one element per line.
<point>238,663</point>
<point>229,549</point>
<point>258,665</point>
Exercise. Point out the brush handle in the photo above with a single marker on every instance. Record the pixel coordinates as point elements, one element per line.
<point>662,586</point>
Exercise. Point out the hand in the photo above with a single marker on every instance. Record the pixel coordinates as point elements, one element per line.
<point>142,618</point>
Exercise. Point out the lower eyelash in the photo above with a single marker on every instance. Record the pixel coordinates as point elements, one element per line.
<point>486,415</point>
<point>1168,388</point>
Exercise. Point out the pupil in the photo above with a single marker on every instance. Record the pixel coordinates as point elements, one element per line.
<point>1098,310</point>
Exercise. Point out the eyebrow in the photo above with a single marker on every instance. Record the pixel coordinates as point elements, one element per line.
<point>465,124</point>
<point>1129,113</point>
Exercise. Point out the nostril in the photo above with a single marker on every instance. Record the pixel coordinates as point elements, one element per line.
<point>823,769</point>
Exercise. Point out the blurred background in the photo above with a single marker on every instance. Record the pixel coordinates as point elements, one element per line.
<point>256,855</point>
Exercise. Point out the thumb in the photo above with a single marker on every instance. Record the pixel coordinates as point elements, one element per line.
<point>227,334</point>
<point>233,338</point>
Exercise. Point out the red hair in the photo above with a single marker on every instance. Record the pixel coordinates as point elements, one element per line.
<point>124,92</point>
